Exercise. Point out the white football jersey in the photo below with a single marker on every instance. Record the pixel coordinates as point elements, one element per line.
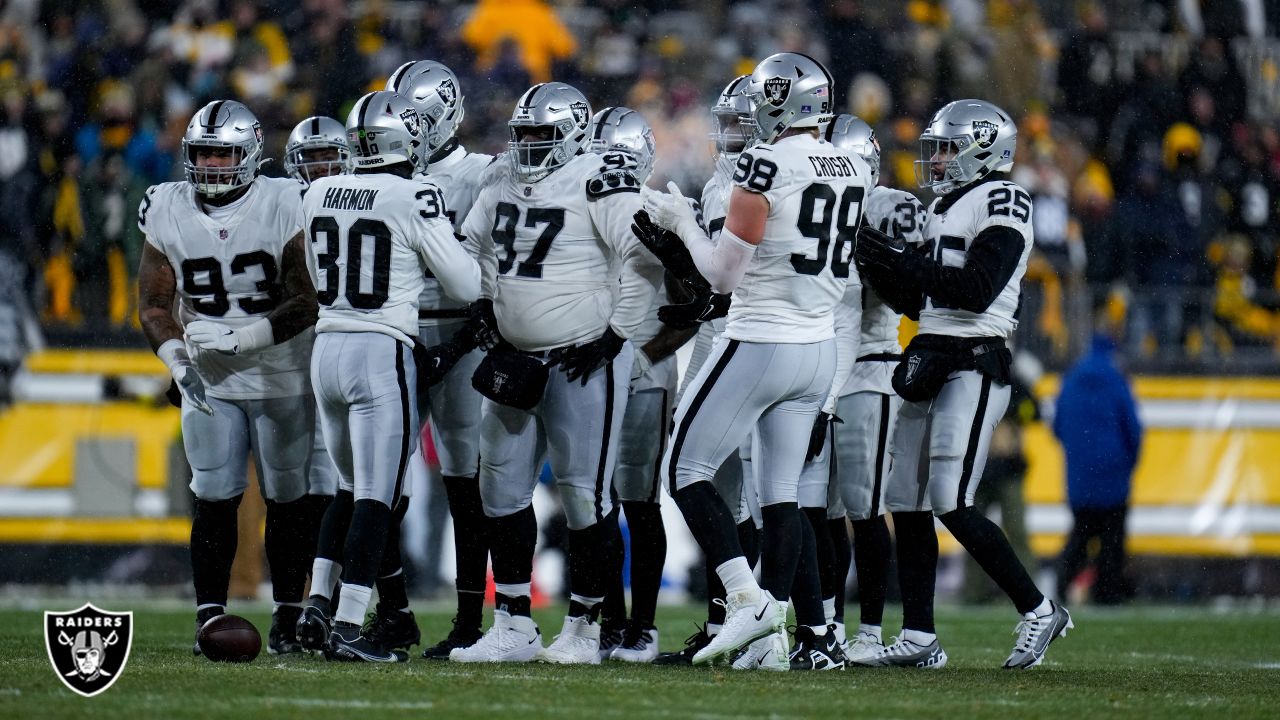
<point>816,195</point>
<point>950,229</point>
<point>370,238</point>
<point>229,271</point>
<point>715,203</point>
<point>899,214</point>
<point>458,175</point>
<point>558,256</point>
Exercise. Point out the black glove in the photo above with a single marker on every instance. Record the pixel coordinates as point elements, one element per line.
<point>818,437</point>
<point>580,361</point>
<point>173,394</point>
<point>707,306</point>
<point>482,329</point>
<point>435,362</point>
<point>875,249</point>
<point>665,245</point>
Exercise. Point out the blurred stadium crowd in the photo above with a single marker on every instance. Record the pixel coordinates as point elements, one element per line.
<point>1147,128</point>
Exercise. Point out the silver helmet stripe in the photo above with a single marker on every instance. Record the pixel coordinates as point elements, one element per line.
<point>400,75</point>
<point>364,140</point>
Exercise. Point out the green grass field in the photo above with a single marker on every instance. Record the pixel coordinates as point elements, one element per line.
<point>1157,663</point>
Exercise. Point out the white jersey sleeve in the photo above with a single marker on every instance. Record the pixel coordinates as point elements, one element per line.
<point>954,222</point>
<point>613,199</point>
<point>816,195</point>
<point>459,176</point>
<point>229,270</point>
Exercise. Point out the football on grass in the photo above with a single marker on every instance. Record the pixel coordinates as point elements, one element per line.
<point>229,638</point>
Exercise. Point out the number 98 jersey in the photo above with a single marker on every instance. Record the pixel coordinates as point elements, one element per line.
<point>954,221</point>
<point>816,194</point>
<point>228,270</point>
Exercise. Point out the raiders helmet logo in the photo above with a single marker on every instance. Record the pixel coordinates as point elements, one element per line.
<point>776,90</point>
<point>581,113</point>
<point>410,118</point>
<point>447,90</point>
<point>984,133</point>
<point>88,648</point>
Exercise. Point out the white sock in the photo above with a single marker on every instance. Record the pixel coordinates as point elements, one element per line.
<point>713,629</point>
<point>1044,608</point>
<point>277,605</point>
<point>737,577</point>
<point>819,630</point>
<point>324,576</point>
<point>354,603</point>
<point>871,630</point>
<point>588,602</point>
<point>918,637</point>
<point>829,609</point>
<point>513,590</point>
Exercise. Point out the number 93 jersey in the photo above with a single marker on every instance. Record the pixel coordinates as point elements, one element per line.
<point>816,194</point>
<point>954,221</point>
<point>369,239</point>
<point>229,271</point>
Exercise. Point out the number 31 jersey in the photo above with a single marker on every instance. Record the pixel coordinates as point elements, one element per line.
<point>229,271</point>
<point>954,221</point>
<point>369,238</point>
<point>800,269</point>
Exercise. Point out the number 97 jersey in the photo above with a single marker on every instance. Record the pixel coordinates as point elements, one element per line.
<point>816,194</point>
<point>954,221</point>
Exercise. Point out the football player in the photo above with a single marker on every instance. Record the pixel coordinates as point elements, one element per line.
<point>566,283</point>
<point>784,252</point>
<point>372,235</point>
<point>453,406</point>
<point>955,375</point>
<point>623,138</point>
<point>317,147</point>
<point>227,245</point>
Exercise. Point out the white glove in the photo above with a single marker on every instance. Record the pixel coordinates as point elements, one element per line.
<point>674,212</point>
<point>640,365</point>
<point>191,387</point>
<point>209,335</point>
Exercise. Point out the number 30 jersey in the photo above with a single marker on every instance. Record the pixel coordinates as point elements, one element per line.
<point>800,269</point>
<point>228,271</point>
<point>369,239</point>
<point>954,221</point>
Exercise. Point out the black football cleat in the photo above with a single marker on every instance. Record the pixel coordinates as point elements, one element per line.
<point>202,617</point>
<point>347,644</point>
<point>459,637</point>
<point>817,653</point>
<point>692,645</point>
<point>313,629</point>
<point>391,628</point>
<point>283,637</point>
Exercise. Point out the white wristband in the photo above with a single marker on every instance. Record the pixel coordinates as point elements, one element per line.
<point>173,353</point>
<point>255,336</point>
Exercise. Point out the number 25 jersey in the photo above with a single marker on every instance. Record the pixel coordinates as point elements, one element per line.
<point>954,221</point>
<point>800,269</point>
<point>229,271</point>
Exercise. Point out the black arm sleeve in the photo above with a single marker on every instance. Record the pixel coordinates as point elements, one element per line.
<point>992,259</point>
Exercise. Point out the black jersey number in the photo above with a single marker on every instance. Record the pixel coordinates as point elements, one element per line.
<point>756,173</point>
<point>328,248</point>
<point>203,280</point>
<point>845,215</point>
<point>998,203</point>
<point>507,218</point>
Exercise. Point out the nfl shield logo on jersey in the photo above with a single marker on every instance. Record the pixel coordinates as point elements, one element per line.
<point>984,133</point>
<point>88,647</point>
<point>776,90</point>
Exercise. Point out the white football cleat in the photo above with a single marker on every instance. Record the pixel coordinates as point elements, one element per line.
<point>749,616</point>
<point>639,645</point>
<point>1034,635</point>
<point>863,648</point>
<point>577,644</point>
<point>768,653</point>
<point>904,653</point>
<point>513,638</point>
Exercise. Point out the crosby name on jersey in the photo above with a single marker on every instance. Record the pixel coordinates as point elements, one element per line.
<point>955,221</point>
<point>578,222</point>
<point>816,194</point>
<point>367,239</point>
<point>228,270</point>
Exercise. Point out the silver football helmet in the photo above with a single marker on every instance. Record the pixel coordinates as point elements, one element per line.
<point>852,134</point>
<point>219,126</point>
<point>966,140</point>
<point>435,91</point>
<point>383,129</point>
<point>731,115</point>
<point>619,129</point>
<point>555,118</point>
<point>316,134</point>
<point>788,90</point>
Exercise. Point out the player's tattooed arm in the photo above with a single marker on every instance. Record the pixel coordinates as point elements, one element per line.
<point>299,309</point>
<point>157,286</point>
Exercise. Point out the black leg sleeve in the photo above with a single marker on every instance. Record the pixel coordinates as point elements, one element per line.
<point>213,548</point>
